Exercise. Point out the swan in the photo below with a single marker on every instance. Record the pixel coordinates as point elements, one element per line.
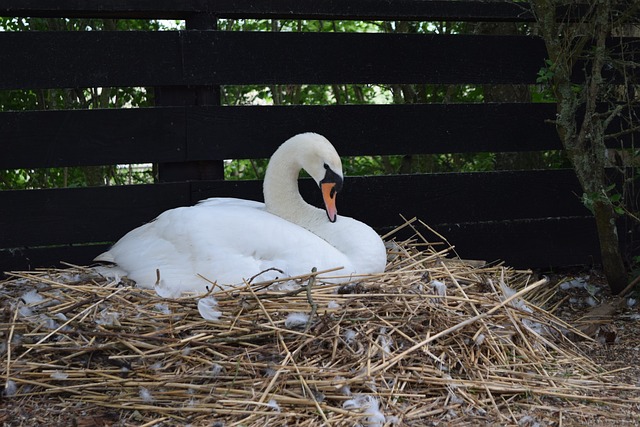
<point>230,240</point>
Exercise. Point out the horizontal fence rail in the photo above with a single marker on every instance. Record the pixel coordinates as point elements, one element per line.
<point>169,58</point>
<point>173,58</point>
<point>283,9</point>
<point>35,139</point>
<point>436,198</point>
<point>96,137</point>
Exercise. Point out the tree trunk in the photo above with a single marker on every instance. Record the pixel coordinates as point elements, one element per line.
<point>583,133</point>
<point>614,268</point>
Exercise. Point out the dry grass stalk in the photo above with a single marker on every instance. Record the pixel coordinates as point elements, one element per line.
<point>468,353</point>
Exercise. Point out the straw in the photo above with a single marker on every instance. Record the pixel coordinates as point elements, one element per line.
<point>475,353</point>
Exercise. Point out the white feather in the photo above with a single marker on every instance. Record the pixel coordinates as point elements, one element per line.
<point>208,308</point>
<point>10,388</point>
<point>393,420</point>
<point>215,370</point>
<point>24,310</point>
<point>112,272</point>
<point>58,375</point>
<point>48,322</point>
<point>350,335</point>
<point>520,304</point>
<point>579,282</point>
<point>332,304</point>
<point>479,339</point>
<point>61,316</point>
<point>296,320</point>
<point>107,318</point>
<point>162,308</point>
<point>146,395</point>
<point>32,297</point>
<point>340,384</point>
<point>274,405</point>
<point>439,288</point>
<point>368,405</point>
<point>385,342</point>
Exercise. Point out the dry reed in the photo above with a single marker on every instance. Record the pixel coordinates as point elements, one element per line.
<point>432,339</point>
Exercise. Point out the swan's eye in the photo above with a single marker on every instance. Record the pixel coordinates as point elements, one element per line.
<point>326,166</point>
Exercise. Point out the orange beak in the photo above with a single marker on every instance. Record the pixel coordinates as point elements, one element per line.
<point>329,196</point>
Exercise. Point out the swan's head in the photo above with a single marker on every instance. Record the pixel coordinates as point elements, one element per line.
<point>321,161</point>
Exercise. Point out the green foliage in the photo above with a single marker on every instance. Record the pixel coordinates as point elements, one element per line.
<point>543,92</point>
<point>608,195</point>
<point>546,73</point>
<point>26,179</point>
<point>78,24</point>
<point>371,165</point>
<point>245,169</point>
<point>546,84</point>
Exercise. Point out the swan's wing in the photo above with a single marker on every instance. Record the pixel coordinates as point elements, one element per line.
<point>361,243</point>
<point>230,201</point>
<point>226,242</point>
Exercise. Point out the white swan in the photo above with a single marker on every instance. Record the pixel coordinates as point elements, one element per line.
<point>230,240</point>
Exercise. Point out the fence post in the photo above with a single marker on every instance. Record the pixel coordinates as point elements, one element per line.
<point>186,96</point>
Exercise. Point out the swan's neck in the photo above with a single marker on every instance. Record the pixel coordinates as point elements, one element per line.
<point>281,194</point>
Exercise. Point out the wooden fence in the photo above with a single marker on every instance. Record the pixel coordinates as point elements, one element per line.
<point>527,218</point>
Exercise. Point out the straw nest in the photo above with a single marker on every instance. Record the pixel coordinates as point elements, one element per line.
<point>432,340</point>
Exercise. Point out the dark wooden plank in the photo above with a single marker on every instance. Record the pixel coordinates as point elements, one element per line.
<point>87,59</point>
<point>374,129</point>
<point>82,215</point>
<point>362,58</point>
<point>410,10</point>
<point>65,216</point>
<point>31,139</point>
<point>357,130</point>
<point>532,243</point>
<point>284,9</point>
<point>87,215</point>
<point>47,257</point>
<point>454,198</point>
<point>438,199</point>
<point>168,58</point>
<point>34,139</point>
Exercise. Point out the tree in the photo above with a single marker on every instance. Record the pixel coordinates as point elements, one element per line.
<point>576,36</point>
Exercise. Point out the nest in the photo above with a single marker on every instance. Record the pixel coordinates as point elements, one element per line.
<point>433,339</point>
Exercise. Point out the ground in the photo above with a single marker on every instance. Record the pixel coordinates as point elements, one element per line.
<point>615,349</point>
